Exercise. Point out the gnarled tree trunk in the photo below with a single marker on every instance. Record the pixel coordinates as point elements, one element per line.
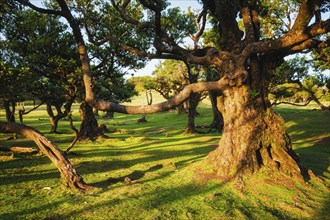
<point>89,128</point>
<point>54,119</point>
<point>68,173</point>
<point>253,136</point>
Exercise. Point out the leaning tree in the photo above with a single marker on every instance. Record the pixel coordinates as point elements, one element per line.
<point>253,135</point>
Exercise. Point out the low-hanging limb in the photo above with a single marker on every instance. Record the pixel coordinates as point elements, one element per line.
<point>68,173</point>
<point>164,106</point>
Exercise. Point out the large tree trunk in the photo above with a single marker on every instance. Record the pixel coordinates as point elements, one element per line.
<point>253,137</point>
<point>68,173</point>
<point>89,128</point>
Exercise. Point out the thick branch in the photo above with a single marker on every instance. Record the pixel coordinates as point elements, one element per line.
<point>136,51</point>
<point>305,14</point>
<point>288,41</point>
<point>38,9</point>
<point>171,103</point>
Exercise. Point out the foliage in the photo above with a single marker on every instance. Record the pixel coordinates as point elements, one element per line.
<point>293,81</point>
<point>41,45</point>
<point>15,82</point>
<point>142,83</point>
<point>170,77</point>
<point>177,24</point>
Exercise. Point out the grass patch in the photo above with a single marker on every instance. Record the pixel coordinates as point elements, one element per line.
<point>148,172</point>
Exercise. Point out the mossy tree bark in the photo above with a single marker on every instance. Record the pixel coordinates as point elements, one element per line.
<point>253,137</point>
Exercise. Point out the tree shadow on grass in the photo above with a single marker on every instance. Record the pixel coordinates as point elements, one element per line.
<point>135,175</point>
<point>26,169</point>
<point>316,157</point>
<point>34,210</point>
<point>152,156</point>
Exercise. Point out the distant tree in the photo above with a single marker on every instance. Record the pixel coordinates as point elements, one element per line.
<point>41,45</point>
<point>293,81</point>
<point>14,84</point>
<point>143,85</point>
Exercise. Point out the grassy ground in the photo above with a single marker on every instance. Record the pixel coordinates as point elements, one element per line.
<point>149,172</point>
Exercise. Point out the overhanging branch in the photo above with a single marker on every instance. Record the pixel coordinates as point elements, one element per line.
<point>38,9</point>
<point>288,41</point>
<point>171,103</point>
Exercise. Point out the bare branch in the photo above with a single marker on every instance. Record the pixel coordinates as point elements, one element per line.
<point>291,103</point>
<point>38,9</point>
<point>201,27</point>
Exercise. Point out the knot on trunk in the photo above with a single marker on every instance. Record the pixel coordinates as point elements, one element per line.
<point>238,79</point>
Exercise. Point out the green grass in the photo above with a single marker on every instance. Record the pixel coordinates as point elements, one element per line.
<point>161,162</point>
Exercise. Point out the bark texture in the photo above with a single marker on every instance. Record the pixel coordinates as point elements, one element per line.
<point>89,127</point>
<point>253,136</point>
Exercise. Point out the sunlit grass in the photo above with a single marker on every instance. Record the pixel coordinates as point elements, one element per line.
<point>148,171</point>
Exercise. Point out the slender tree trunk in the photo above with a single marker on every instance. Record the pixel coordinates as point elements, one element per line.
<point>109,114</point>
<point>54,119</point>
<point>96,112</point>
<point>253,136</point>
<point>322,106</point>
<point>181,109</point>
<point>76,132</point>
<point>149,102</point>
<point>23,112</point>
<point>68,173</point>
<point>192,112</point>
<point>10,113</point>
<point>217,123</point>
<point>89,128</point>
